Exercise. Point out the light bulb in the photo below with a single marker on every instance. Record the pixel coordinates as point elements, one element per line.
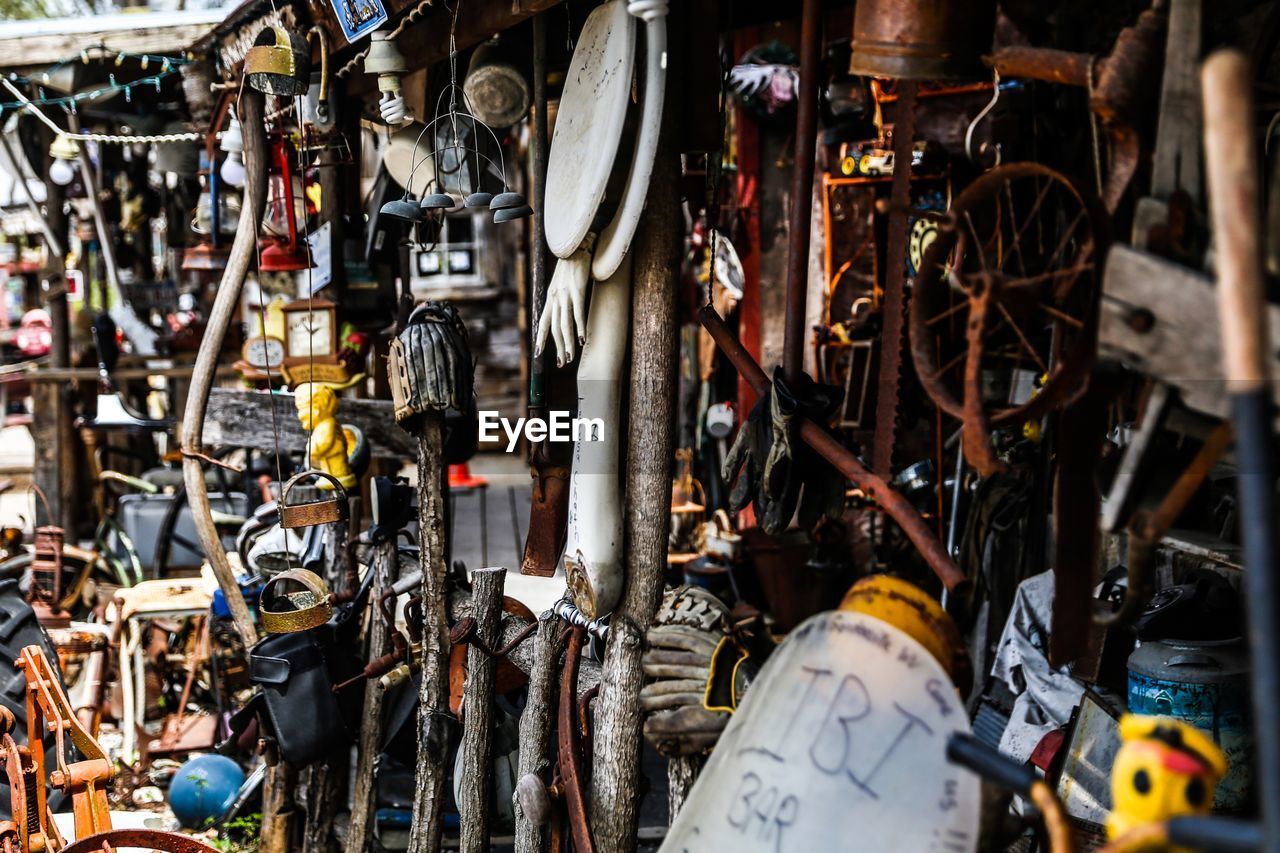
<point>232,170</point>
<point>61,172</point>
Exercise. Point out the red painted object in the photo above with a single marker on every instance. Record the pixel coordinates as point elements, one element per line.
<point>460,477</point>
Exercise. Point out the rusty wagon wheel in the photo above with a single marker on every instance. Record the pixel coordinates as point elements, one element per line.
<point>1011,282</point>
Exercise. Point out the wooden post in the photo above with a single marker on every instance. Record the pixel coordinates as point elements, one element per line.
<point>278,809</point>
<point>324,782</point>
<point>386,566</point>
<point>616,765</point>
<point>682,772</point>
<point>433,694</point>
<point>477,712</point>
<point>535,724</point>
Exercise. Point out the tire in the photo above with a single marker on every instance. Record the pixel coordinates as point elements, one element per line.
<point>19,629</point>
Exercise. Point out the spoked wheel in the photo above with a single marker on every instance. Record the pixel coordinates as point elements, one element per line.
<point>1010,283</point>
<point>137,839</point>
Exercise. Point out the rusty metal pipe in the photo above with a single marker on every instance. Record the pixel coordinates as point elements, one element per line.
<point>1037,63</point>
<point>802,191</point>
<point>889,499</point>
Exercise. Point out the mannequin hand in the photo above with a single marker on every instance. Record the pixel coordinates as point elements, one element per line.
<point>564,314</point>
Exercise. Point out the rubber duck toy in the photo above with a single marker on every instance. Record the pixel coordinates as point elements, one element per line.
<point>1165,768</point>
<point>327,447</point>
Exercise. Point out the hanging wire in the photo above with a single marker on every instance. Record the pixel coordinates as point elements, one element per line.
<point>106,138</point>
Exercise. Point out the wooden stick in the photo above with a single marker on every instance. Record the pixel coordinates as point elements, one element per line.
<point>224,309</point>
<point>324,782</point>
<point>1233,205</point>
<point>278,810</point>
<point>433,693</point>
<point>682,772</point>
<point>386,566</point>
<point>535,724</point>
<point>616,765</point>
<point>1231,168</point>
<point>477,712</point>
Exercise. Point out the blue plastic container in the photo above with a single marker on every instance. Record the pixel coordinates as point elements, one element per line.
<point>1205,683</point>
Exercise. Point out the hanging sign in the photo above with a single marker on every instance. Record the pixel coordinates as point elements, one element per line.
<point>839,744</point>
<point>359,17</point>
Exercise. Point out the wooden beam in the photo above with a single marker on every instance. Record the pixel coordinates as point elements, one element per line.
<point>238,418</point>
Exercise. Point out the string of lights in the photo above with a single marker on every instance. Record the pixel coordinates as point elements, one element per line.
<point>102,52</point>
<point>111,87</point>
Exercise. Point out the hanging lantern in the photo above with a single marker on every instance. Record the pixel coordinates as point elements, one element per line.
<point>284,254</point>
<point>922,39</point>
<point>279,63</point>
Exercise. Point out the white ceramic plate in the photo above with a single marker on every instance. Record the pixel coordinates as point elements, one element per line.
<point>589,125</point>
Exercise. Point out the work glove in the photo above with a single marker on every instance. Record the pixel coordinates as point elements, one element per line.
<point>776,469</point>
<point>696,673</point>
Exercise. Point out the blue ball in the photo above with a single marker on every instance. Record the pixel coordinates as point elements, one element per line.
<point>204,789</point>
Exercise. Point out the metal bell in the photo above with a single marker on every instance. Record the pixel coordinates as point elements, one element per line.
<point>502,201</point>
<point>279,63</point>
<point>480,199</point>
<point>438,201</point>
<point>510,214</point>
<point>402,208</point>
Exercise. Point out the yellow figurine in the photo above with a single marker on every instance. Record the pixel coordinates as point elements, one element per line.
<point>327,450</point>
<point>1165,768</point>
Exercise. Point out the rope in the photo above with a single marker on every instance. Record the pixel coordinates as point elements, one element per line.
<point>105,138</point>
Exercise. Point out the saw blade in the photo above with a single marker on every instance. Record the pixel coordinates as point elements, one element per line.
<point>893,306</point>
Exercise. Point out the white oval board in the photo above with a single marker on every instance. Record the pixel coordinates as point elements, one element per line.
<point>839,745</point>
<point>589,125</point>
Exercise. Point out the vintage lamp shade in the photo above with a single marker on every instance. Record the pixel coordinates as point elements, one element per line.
<point>511,214</point>
<point>438,201</point>
<point>402,208</point>
<point>385,60</point>
<point>65,153</point>
<point>279,63</point>
<point>503,201</point>
<point>478,199</point>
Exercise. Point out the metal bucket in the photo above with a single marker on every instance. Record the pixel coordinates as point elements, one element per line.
<point>1205,683</point>
<point>922,39</point>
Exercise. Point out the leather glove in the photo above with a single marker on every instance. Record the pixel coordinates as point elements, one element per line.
<point>776,469</point>
<point>696,673</point>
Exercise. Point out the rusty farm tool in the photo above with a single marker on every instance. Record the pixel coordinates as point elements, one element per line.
<point>1001,291</point>
<point>33,830</point>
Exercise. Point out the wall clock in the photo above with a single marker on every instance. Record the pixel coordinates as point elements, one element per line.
<point>310,332</point>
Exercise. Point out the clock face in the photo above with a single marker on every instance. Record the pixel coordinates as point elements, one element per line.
<point>310,333</point>
<point>264,352</point>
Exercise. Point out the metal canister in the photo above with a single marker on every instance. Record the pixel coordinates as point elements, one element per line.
<point>1205,683</point>
<point>922,39</point>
